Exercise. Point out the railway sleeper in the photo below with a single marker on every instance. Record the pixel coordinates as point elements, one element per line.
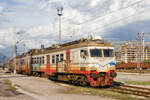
<point>135,87</point>
<point>134,90</point>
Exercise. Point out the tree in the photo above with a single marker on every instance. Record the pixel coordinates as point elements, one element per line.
<point>1,65</point>
<point>146,61</point>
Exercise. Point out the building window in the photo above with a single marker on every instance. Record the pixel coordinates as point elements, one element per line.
<point>61,57</point>
<point>53,59</point>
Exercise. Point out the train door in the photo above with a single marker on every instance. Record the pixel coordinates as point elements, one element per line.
<point>60,63</point>
<point>26,64</point>
<point>48,65</point>
<point>67,67</point>
<point>29,64</point>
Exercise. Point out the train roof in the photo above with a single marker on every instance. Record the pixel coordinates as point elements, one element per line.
<point>69,45</point>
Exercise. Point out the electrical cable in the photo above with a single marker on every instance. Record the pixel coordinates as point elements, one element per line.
<point>119,20</point>
<point>111,12</point>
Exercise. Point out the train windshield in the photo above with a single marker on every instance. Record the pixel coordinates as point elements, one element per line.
<point>108,53</point>
<point>96,52</point>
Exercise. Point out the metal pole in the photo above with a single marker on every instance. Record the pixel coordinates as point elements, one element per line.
<point>59,13</point>
<point>60,29</point>
<point>140,50</point>
<point>14,53</point>
<point>143,46</point>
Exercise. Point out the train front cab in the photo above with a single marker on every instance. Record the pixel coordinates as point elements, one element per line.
<point>97,64</point>
<point>101,62</point>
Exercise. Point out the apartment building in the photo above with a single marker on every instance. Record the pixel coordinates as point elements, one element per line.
<point>130,53</point>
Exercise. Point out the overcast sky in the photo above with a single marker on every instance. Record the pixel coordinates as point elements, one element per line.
<point>37,20</point>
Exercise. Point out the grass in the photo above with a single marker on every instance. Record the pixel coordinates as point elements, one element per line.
<point>99,92</point>
<point>138,82</point>
<point>9,84</point>
<point>16,85</point>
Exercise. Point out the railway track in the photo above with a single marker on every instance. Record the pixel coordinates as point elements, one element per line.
<point>128,89</point>
<point>134,90</point>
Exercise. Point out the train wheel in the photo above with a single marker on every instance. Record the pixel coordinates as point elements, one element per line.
<point>43,75</point>
<point>83,81</point>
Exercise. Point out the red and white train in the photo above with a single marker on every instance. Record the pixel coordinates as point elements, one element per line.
<point>84,61</point>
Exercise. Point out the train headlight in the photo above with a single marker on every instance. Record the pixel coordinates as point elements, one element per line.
<point>104,68</point>
<point>112,68</point>
<point>93,68</point>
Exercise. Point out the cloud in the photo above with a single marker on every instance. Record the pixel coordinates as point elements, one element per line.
<point>1,47</point>
<point>6,37</point>
<point>1,9</point>
<point>39,20</point>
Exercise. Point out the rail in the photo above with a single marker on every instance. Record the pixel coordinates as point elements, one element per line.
<point>134,90</point>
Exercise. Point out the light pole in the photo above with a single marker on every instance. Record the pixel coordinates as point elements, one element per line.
<point>59,13</point>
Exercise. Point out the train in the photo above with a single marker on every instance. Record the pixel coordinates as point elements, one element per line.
<point>132,66</point>
<point>80,62</point>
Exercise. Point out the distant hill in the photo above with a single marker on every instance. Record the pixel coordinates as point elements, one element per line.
<point>8,51</point>
<point>3,58</point>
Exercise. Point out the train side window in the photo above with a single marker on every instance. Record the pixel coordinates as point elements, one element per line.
<point>23,62</point>
<point>61,57</point>
<point>31,60</point>
<point>53,59</point>
<point>20,61</point>
<point>16,62</point>
<point>37,60</point>
<point>40,60</point>
<point>83,53</point>
<point>34,61</point>
<point>43,60</point>
<point>57,58</point>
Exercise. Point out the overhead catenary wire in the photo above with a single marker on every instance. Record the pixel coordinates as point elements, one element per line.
<point>105,16</point>
<point>94,19</point>
<point>111,12</point>
<point>106,25</point>
<point>108,15</point>
<point>116,21</point>
<point>99,16</point>
<point>28,33</point>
